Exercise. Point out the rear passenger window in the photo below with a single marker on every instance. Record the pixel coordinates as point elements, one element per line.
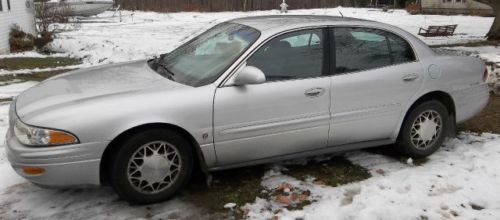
<point>358,49</point>
<point>401,50</point>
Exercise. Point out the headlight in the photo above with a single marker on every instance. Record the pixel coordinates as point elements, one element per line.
<point>34,136</point>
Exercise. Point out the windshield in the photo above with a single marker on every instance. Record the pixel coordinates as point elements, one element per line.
<point>203,59</point>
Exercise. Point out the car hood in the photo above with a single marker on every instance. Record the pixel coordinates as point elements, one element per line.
<point>90,84</point>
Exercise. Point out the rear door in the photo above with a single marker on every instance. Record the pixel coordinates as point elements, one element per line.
<point>375,74</point>
<point>287,114</point>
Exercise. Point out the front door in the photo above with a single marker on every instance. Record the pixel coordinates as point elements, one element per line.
<point>287,114</point>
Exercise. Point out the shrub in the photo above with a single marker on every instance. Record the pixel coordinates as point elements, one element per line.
<point>44,39</point>
<point>19,40</point>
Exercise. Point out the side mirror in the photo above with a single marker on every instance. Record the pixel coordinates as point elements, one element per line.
<point>249,75</point>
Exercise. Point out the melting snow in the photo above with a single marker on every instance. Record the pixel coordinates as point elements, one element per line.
<point>457,181</point>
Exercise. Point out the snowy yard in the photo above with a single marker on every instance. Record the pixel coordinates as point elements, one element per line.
<point>460,181</point>
<point>147,34</point>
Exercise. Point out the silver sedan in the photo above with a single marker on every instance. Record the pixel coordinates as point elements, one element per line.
<point>248,91</point>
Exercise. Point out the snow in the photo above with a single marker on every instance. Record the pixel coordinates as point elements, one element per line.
<point>465,173</point>
<point>4,124</point>
<point>31,54</point>
<point>12,90</point>
<point>9,178</point>
<point>230,205</point>
<point>487,53</point>
<point>409,161</point>
<point>38,70</point>
<point>462,174</point>
<point>103,39</point>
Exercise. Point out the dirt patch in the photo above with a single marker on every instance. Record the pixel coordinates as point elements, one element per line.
<point>392,152</point>
<point>5,100</point>
<point>334,172</point>
<point>239,186</point>
<point>476,207</point>
<point>39,76</point>
<point>289,197</point>
<point>33,62</point>
<point>29,63</point>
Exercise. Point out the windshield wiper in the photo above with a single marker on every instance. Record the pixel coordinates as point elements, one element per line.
<point>166,72</point>
<point>156,64</point>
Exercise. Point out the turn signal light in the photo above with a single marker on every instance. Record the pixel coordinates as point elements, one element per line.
<point>60,137</point>
<point>33,170</point>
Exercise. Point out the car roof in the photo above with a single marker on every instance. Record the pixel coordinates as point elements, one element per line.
<point>271,25</point>
<point>267,23</point>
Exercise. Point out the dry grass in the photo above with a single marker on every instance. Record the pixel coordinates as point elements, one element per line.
<point>33,62</point>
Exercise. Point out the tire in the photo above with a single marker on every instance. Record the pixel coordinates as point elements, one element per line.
<point>151,166</point>
<point>415,141</point>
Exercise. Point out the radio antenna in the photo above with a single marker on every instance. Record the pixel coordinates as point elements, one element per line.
<point>341,13</point>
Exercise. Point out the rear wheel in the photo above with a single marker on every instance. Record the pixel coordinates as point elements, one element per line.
<point>424,130</point>
<point>151,166</point>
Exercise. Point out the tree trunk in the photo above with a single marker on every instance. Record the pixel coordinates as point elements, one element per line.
<point>494,33</point>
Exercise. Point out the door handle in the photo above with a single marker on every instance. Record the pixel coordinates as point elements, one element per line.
<point>410,77</point>
<point>314,92</point>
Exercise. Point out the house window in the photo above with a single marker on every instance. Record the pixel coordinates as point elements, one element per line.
<point>8,5</point>
<point>1,6</point>
<point>447,1</point>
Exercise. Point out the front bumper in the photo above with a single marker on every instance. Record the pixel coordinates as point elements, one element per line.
<point>70,165</point>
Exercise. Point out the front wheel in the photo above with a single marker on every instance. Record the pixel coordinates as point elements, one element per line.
<point>424,130</point>
<point>152,166</point>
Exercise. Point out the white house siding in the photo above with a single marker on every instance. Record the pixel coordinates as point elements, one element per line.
<point>18,14</point>
<point>455,7</point>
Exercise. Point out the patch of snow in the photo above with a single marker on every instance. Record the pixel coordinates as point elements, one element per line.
<point>462,176</point>
<point>12,90</point>
<point>230,205</point>
<point>4,124</point>
<point>38,70</point>
<point>103,39</point>
<point>9,176</point>
<point>31,54</point>
<point>409,161</point>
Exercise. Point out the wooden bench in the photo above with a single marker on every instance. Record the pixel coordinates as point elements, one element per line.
<point>435,31</point>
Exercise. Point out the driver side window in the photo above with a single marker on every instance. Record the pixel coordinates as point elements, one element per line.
<point>293,55</point>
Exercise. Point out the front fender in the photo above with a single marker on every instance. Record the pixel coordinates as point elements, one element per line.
<point>104,119</point>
